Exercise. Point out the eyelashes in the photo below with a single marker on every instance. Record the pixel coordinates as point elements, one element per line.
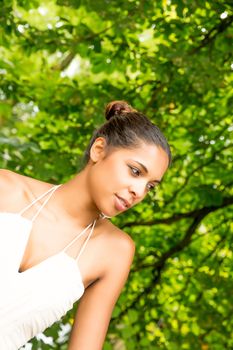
<point>136,172</point>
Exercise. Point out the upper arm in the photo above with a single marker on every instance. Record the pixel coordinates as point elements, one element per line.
<point>6,187</point>
<point>5,178</point>
<point>96,305</point>
<point>12,191</point>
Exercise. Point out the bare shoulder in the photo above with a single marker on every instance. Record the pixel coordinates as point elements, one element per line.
<point>10,183</point>
<point>123,240</point>
<point>121,248</point>
<point>13,180</point>
<point>7,177</point>
<point>16,189</point>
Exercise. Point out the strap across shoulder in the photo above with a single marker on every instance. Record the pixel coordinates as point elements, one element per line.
<point>51,191</point>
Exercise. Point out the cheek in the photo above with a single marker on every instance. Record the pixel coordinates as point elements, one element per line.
<point>113,177</point>
<point>99,180</point>
<point>108,178</point>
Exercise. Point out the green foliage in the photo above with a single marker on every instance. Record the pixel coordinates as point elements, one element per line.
<point>61,62</point>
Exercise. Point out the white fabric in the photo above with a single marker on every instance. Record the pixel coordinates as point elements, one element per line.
<point>33,300</point>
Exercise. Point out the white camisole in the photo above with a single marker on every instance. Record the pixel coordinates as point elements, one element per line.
<point>33,300</point>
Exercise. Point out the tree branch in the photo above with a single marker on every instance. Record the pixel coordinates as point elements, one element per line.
<point>71,55</point>
<point>192,172</point>
<point>213,33</point>
<point>192,214</point>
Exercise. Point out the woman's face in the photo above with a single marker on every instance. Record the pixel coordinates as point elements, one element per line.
<point>123,178</point>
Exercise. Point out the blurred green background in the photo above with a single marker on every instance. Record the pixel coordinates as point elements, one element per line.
<point>61,62</point>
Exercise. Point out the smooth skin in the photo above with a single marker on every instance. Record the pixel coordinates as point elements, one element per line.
<point>106,261</point>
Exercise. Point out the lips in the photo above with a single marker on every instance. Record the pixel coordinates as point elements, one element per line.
<point>120,204</point>
<point>123,203</point>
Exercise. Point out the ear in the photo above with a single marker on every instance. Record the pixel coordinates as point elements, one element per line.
<point>98,149</point>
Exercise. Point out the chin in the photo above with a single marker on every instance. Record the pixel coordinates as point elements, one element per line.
<point>109,211</point>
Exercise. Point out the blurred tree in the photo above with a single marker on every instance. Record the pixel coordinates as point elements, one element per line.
<point>61,62</point>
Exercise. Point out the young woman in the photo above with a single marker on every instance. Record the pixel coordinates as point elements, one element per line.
<point>46,264</point>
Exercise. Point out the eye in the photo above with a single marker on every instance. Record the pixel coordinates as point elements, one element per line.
<point>135,171</point>
<point>151,187</point>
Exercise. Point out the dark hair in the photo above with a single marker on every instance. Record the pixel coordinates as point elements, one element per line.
<point>126,128</point>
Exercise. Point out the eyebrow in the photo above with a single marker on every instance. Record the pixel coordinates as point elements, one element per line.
<point>145,169</point>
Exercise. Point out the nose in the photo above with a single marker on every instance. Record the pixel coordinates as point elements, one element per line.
<point>138,191</point>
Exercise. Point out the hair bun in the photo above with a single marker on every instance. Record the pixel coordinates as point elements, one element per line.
<point>117,108</point>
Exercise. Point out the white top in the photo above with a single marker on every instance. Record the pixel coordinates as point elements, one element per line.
<point>33,300</point>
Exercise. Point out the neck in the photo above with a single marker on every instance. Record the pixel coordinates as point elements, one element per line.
<point>75,200</point>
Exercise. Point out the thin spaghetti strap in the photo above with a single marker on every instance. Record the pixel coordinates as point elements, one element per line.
<point>85,243</point>
<point>79,235</point>
<point>47,199</point>
<point>52,189</point>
